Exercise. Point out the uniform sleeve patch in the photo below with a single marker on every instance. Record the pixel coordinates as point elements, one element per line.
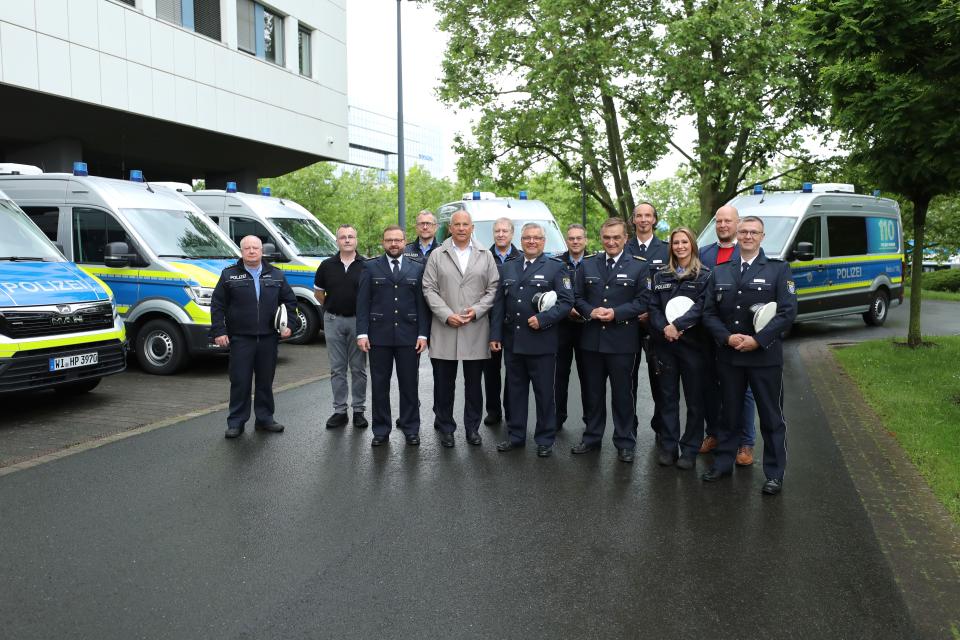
<point>791,286</point>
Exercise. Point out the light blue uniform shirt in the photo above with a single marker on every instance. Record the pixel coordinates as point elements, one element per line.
<point>255,274</point>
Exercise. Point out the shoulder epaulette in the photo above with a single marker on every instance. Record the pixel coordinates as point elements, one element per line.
<point>769,259</point>
<point>641,258</point>
<point>558,259</point>
<point>418,258</point>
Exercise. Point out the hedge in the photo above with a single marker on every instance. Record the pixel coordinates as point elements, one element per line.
<point>944,280</point>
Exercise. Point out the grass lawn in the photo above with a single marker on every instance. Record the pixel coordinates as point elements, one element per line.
<point>916,392</point>
<point>936,295</point>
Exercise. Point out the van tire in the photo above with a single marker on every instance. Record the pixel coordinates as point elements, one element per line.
<point>309,324</point>
<point>160,347</point>
<point>879,307</point>
<point>77,388</point>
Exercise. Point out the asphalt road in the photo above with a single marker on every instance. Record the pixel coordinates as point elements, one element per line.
<point>177,533</point>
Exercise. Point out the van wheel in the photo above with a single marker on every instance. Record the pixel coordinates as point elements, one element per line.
<point>77,388</point>
<point>161,349</point>
<point>309,324</point>
<point>879,305</point>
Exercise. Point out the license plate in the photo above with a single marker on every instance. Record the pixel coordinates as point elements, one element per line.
<point>71,362</point>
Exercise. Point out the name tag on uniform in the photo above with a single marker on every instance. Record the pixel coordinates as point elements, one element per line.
<point>759,280</point>
<point>621,275</point>
<point>657,261</point>
<point>538,276</point>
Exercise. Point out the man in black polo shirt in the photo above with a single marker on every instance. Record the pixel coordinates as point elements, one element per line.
<point>335,286</point>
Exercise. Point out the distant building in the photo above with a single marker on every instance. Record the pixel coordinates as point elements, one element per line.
<point>182,89</point>
<point>373,143</point>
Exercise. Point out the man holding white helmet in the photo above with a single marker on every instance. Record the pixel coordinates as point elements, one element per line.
<point>534,295</point>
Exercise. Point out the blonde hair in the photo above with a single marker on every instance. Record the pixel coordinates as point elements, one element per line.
<point>695,265</point>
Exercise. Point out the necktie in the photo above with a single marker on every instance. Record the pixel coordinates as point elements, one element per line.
<point>396,266</point>
<point>643,248</point>
<point>610,263</point>
<point>526,263</point>
<point>743,267</point>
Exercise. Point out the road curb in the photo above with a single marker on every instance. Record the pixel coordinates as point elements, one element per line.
<point>153,426</point>
<point>917,535</point>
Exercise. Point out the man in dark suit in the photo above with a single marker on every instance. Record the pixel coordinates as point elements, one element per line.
<point>725,250</point>
<point>528,337</point>
<point>503,252</point>
<point>393,325</point>
<point>612,290</point>
<point>426,240</point>
<point>657,254</point>
<point>748,356</point>
<point>570,329</point>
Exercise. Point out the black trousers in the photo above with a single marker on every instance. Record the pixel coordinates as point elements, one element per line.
<point>681,362</point>
<point>444,389</point>
<point>623,401</point>
<point>522,371</point>
<point>252,357</point>
<point>492,384</point>
<point>382,360</point>
<point>569,348</point>
<point>656,422</point>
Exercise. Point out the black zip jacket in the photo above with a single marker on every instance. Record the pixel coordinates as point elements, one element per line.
<point>235,309</point>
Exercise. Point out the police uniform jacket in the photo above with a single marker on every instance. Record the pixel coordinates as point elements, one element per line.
<point>514,306</point>
<point>657,253</point>
<point>412,249</point>
<point>515,254</point>
<point>625,289</point>
<point>727,311</point>
<point>668,285</point>
<point>572,270</point>
<point>235,309</point>
<point>391,310</point>
<point>708,254</point>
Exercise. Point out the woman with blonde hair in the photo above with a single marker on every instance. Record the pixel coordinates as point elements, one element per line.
<point>676,305</point>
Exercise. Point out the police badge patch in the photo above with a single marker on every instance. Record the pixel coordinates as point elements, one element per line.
<point>566,283</point>
<point>791,287</point>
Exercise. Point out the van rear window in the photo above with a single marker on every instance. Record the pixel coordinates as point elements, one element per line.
<point>848,235</point>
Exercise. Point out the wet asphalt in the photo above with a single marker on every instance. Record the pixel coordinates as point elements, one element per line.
<point>177,533</point>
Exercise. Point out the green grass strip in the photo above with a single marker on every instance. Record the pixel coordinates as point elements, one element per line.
<point>949,296</point>
<point>916,392</point>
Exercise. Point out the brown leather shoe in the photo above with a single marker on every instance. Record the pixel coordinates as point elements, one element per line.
<point>709,444</point>
<point>744,456</point>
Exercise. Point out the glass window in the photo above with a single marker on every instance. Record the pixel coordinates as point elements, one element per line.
<point>47,218</point>
<point>259,31</point>
<point>304,49</point>
<point>179,234</point>
<point>20,238</point>
<point>202,16</point>
<point>246,41</point>
<point>92,230</point>
<point>848,235</point>
<point>810,232</point>
<point>240,228</point>
<point>272,37</point>
<point>306,237</point>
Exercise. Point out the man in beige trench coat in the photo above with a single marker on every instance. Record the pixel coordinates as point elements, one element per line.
<point>459,283</point>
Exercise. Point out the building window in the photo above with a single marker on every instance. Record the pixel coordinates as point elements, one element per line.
<point>304,48</point>
<point>132,3</point>
<point>260,31</point>
<point>202,16</point>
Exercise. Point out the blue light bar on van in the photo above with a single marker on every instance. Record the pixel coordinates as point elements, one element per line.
<point>476,195</point>
<point>757,189</point>
<point>876,193</point>
<point>265,191</point>
<point>136,175</point>
<point>80,169</point>
<point>523,195</point>
<point>231,187</point>
<point>808,187</point>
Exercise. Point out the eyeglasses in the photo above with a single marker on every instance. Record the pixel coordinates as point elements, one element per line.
<point>532,238</point>
<point>749,233</point>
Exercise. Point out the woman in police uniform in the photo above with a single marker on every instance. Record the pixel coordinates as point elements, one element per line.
<point>679,347</point>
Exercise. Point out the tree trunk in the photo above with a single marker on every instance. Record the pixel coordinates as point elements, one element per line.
<point>920,204</point>
<point>709,198</point>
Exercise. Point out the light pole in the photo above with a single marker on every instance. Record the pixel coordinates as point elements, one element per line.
<point>401,172</point>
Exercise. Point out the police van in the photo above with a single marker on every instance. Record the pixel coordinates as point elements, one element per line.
<point>59,326</point>
<point>485,207</point>
<point>845,249</point>
<point>301,242</point>
<point>158,253</point>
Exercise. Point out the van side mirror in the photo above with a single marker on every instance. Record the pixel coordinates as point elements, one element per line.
<point>803,251</point>
<point>270,252</point>
<point>116,255</point>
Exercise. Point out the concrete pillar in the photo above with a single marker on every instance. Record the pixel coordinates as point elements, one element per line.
<point>54,156</point>
<point>246,180</point>
<point>291,48</point>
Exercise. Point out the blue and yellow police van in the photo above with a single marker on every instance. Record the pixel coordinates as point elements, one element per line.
<point>160,255</point>
<point>59,326</point>
<point>301,242</point>
<point>845,249</point>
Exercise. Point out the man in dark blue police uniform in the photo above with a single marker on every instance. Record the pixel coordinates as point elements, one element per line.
<point>570,329</point>
<point>747,356</point>
<point>612,289</point>
<point>645,244</point>
<point>242,317</point>
<point>393,324</point>
<point>503,252</point>
<point>426,240</point>
<point>528,337</point>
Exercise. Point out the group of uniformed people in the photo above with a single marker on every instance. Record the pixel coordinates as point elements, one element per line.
<point>607,311</point>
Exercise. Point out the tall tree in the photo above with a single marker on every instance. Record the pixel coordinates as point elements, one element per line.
<point>891,68</point>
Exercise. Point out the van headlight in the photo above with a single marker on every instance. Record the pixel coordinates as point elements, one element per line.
<point>203,296</point>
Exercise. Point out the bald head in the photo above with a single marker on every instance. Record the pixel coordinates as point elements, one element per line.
<point>252,250</point>
<point>726,220</point>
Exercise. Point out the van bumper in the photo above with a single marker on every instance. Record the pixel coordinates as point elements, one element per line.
<point>30,370</point>
<point>199,341</point>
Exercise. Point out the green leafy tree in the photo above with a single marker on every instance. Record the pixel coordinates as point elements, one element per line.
<point>676,199</point>
<point>891,68</point>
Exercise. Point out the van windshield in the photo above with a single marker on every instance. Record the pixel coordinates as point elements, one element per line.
<point>21,239</point>
<point>306,237</point>
<point>172,233</point>
<point>776,229</point>
<point>555,244</point>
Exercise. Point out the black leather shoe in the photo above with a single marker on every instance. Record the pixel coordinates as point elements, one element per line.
<point>413,441</point>
<point>712,475</point>
<point>665,459</point>
<point>584,448</point>
<point>625,455</point>
<point>359,422</point>
<point>275,427</point>
<point>474,438</point>
<point>379,440</point>
<point>492,420</point>
<point>337,420</point>
<point>772,487</point>
<point>233,432</point>
<point>446,439</point>
<point>509,445</point>
<point>544,451</point>
<point>685,463</point>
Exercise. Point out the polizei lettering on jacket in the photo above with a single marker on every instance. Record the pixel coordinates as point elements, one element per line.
<point>37,286</point>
